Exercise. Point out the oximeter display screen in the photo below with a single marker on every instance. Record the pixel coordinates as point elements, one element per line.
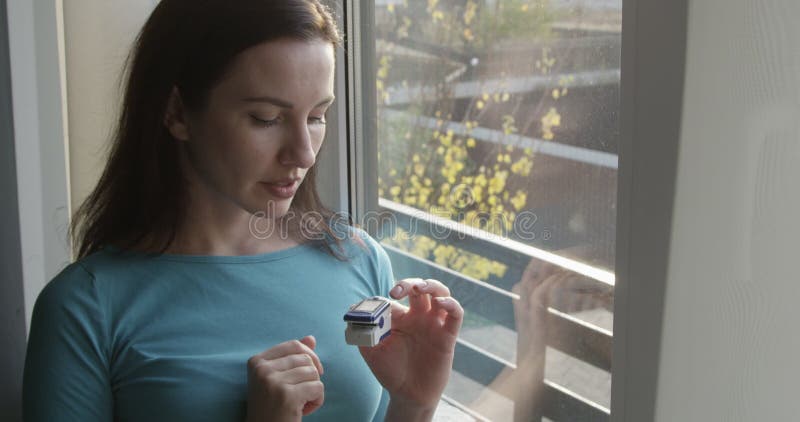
<point>368,306</point>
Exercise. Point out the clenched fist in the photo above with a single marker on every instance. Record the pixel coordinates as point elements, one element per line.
<point>283,382</point>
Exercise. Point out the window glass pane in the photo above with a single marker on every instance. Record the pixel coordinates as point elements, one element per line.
<point>497,139</point>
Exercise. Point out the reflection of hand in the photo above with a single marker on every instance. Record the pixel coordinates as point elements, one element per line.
<point>414,362</point>
<point>544,285</point>
<point>530,311</point>
<point>283,382</point>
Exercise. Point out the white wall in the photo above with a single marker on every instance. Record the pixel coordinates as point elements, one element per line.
<point>730,344</point>
<point>98,35</point>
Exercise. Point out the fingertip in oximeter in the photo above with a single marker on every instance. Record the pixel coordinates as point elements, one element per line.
<point>368,322</point>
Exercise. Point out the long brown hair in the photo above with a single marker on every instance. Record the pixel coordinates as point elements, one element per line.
<point>141,196</point>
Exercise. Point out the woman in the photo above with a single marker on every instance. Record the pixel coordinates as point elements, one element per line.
<point>207,285</point>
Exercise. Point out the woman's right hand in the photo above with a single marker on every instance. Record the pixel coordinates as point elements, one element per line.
<point>283,382</point>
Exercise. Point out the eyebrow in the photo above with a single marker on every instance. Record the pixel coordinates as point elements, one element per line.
<point>283,103</point>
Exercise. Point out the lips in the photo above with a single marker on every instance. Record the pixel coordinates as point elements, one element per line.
<point>282,188</point>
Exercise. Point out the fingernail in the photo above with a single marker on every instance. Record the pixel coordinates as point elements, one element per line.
<point>443,302</point>
<point>397,290</point>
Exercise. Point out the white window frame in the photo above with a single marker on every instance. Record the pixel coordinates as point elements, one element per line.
<point>35,189</point>
<point>653,65</point>
<point>36,55</point>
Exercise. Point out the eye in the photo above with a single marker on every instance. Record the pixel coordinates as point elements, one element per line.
<point>265,122</point>
<point>317,120</point>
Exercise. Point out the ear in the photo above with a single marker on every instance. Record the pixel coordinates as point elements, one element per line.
<point>175,117</point>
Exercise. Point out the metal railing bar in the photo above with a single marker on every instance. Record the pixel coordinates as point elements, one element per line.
<point>531,47</point>
<point>579,339</point>
<point>476,366</point>
<point>399,94</point>
<point>576,397</point>
<point>582,323</point>
<point>460,406</point>
<point>595,273</point>
<point>486,353</point>
<point>582,340</point>
<point>486,303</point>
<point>553,149</point>
<point>451,272</point>
<point>515,263</point>
<point>559,402</point>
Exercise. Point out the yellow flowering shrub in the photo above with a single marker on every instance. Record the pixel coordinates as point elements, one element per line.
<point>465,262</point>
<point>446,167</point>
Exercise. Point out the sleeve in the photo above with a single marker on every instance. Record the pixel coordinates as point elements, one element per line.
<point>66,376</point>
<point>381,262</point>
<point>385,273</point>
<point>385,281</point>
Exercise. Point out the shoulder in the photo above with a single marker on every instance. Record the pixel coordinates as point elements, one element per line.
<point>68,286</point>
<point>83,282</point>
<point>356,241</point>
<point>72,304</point>
<point>367,253</point>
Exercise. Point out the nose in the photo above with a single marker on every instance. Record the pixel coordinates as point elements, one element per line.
<point>298,149</point>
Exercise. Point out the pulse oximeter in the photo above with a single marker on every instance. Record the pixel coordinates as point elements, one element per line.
<point>368,322</point>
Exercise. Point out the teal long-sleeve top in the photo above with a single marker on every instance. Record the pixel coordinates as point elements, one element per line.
<point>134,337</point>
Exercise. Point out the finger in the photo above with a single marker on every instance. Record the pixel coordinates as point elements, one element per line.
<point>403,287</point>
<point>418,300</point>
<point>292,347</point>
<point>297,375</point>
<point>309,341</point>
<point>398,312</point>
<point>427,289</point>
<point>411,287</point>
<point>438,310</point>
<point>455,313</point>
<point>538,298</point>
<point>434,288</point>
<point>521,288</point>
<point>313,392</point>
<point>537,270</point>
<point>398,309</point>
<point>560,292</point>
<point>574,296</point>
<point>288,362</point>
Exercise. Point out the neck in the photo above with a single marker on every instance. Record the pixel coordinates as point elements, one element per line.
<point>222,228</point>
<point>213,224</point>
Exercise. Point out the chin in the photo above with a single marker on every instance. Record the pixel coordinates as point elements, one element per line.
<point>263,219</point>
<point>271,208</point>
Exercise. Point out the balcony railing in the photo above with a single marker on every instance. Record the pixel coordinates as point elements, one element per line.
<point>494,301</point>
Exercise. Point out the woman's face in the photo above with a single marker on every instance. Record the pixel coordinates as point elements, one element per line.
<point>263,125</point>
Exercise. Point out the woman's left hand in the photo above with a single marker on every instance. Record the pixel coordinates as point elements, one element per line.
<point>414,362</point>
